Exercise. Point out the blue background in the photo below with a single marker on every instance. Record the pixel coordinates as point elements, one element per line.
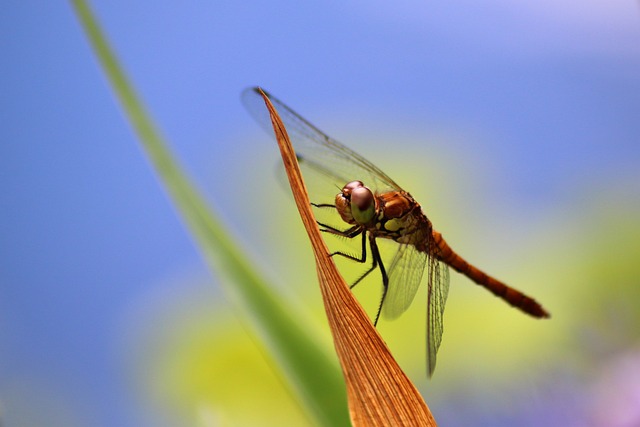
<point>533,108</point>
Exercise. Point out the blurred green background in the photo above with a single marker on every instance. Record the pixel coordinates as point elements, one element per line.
<point>515,126</point>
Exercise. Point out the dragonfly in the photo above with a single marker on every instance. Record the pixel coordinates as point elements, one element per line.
<point>370,206</point>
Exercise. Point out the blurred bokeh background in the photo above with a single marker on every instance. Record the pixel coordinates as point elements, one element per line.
<point>516,125</point>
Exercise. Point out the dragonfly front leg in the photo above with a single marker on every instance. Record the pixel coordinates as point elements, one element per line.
<point>349,233</point>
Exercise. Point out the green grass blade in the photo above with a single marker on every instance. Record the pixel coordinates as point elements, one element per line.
<point>312,373</point>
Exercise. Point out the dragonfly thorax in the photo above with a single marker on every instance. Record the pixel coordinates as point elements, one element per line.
<point>356,204</point>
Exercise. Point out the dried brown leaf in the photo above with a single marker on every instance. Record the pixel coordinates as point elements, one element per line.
<point>379,392</point>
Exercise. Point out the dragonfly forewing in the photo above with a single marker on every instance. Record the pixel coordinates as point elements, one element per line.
<point>332,163</point>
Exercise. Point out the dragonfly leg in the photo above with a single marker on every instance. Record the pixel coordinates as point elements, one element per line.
<point>374,263</point>
<point>377,261</point>
<point>323,205</point>
<point>349,233</point>
<point>363,254</point>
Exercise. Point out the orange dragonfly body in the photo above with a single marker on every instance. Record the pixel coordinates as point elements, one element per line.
<point>371,206</point>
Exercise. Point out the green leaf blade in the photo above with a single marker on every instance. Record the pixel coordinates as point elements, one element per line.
<point>313,375</point>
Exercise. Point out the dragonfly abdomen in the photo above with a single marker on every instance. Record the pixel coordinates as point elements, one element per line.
<point>512,296</point>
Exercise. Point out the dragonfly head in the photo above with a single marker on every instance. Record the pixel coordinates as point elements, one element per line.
<point>356,203</point>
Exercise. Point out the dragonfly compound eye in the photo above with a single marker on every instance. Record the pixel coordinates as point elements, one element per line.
<point>348,189</point>
<point>363,205</point>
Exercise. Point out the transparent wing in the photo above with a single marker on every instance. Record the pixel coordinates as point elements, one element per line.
<point>327,165</point>
<point>437,297</point>
<point>405,275</point>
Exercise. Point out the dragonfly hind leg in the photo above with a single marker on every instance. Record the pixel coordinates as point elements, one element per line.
<point>376,260</point>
